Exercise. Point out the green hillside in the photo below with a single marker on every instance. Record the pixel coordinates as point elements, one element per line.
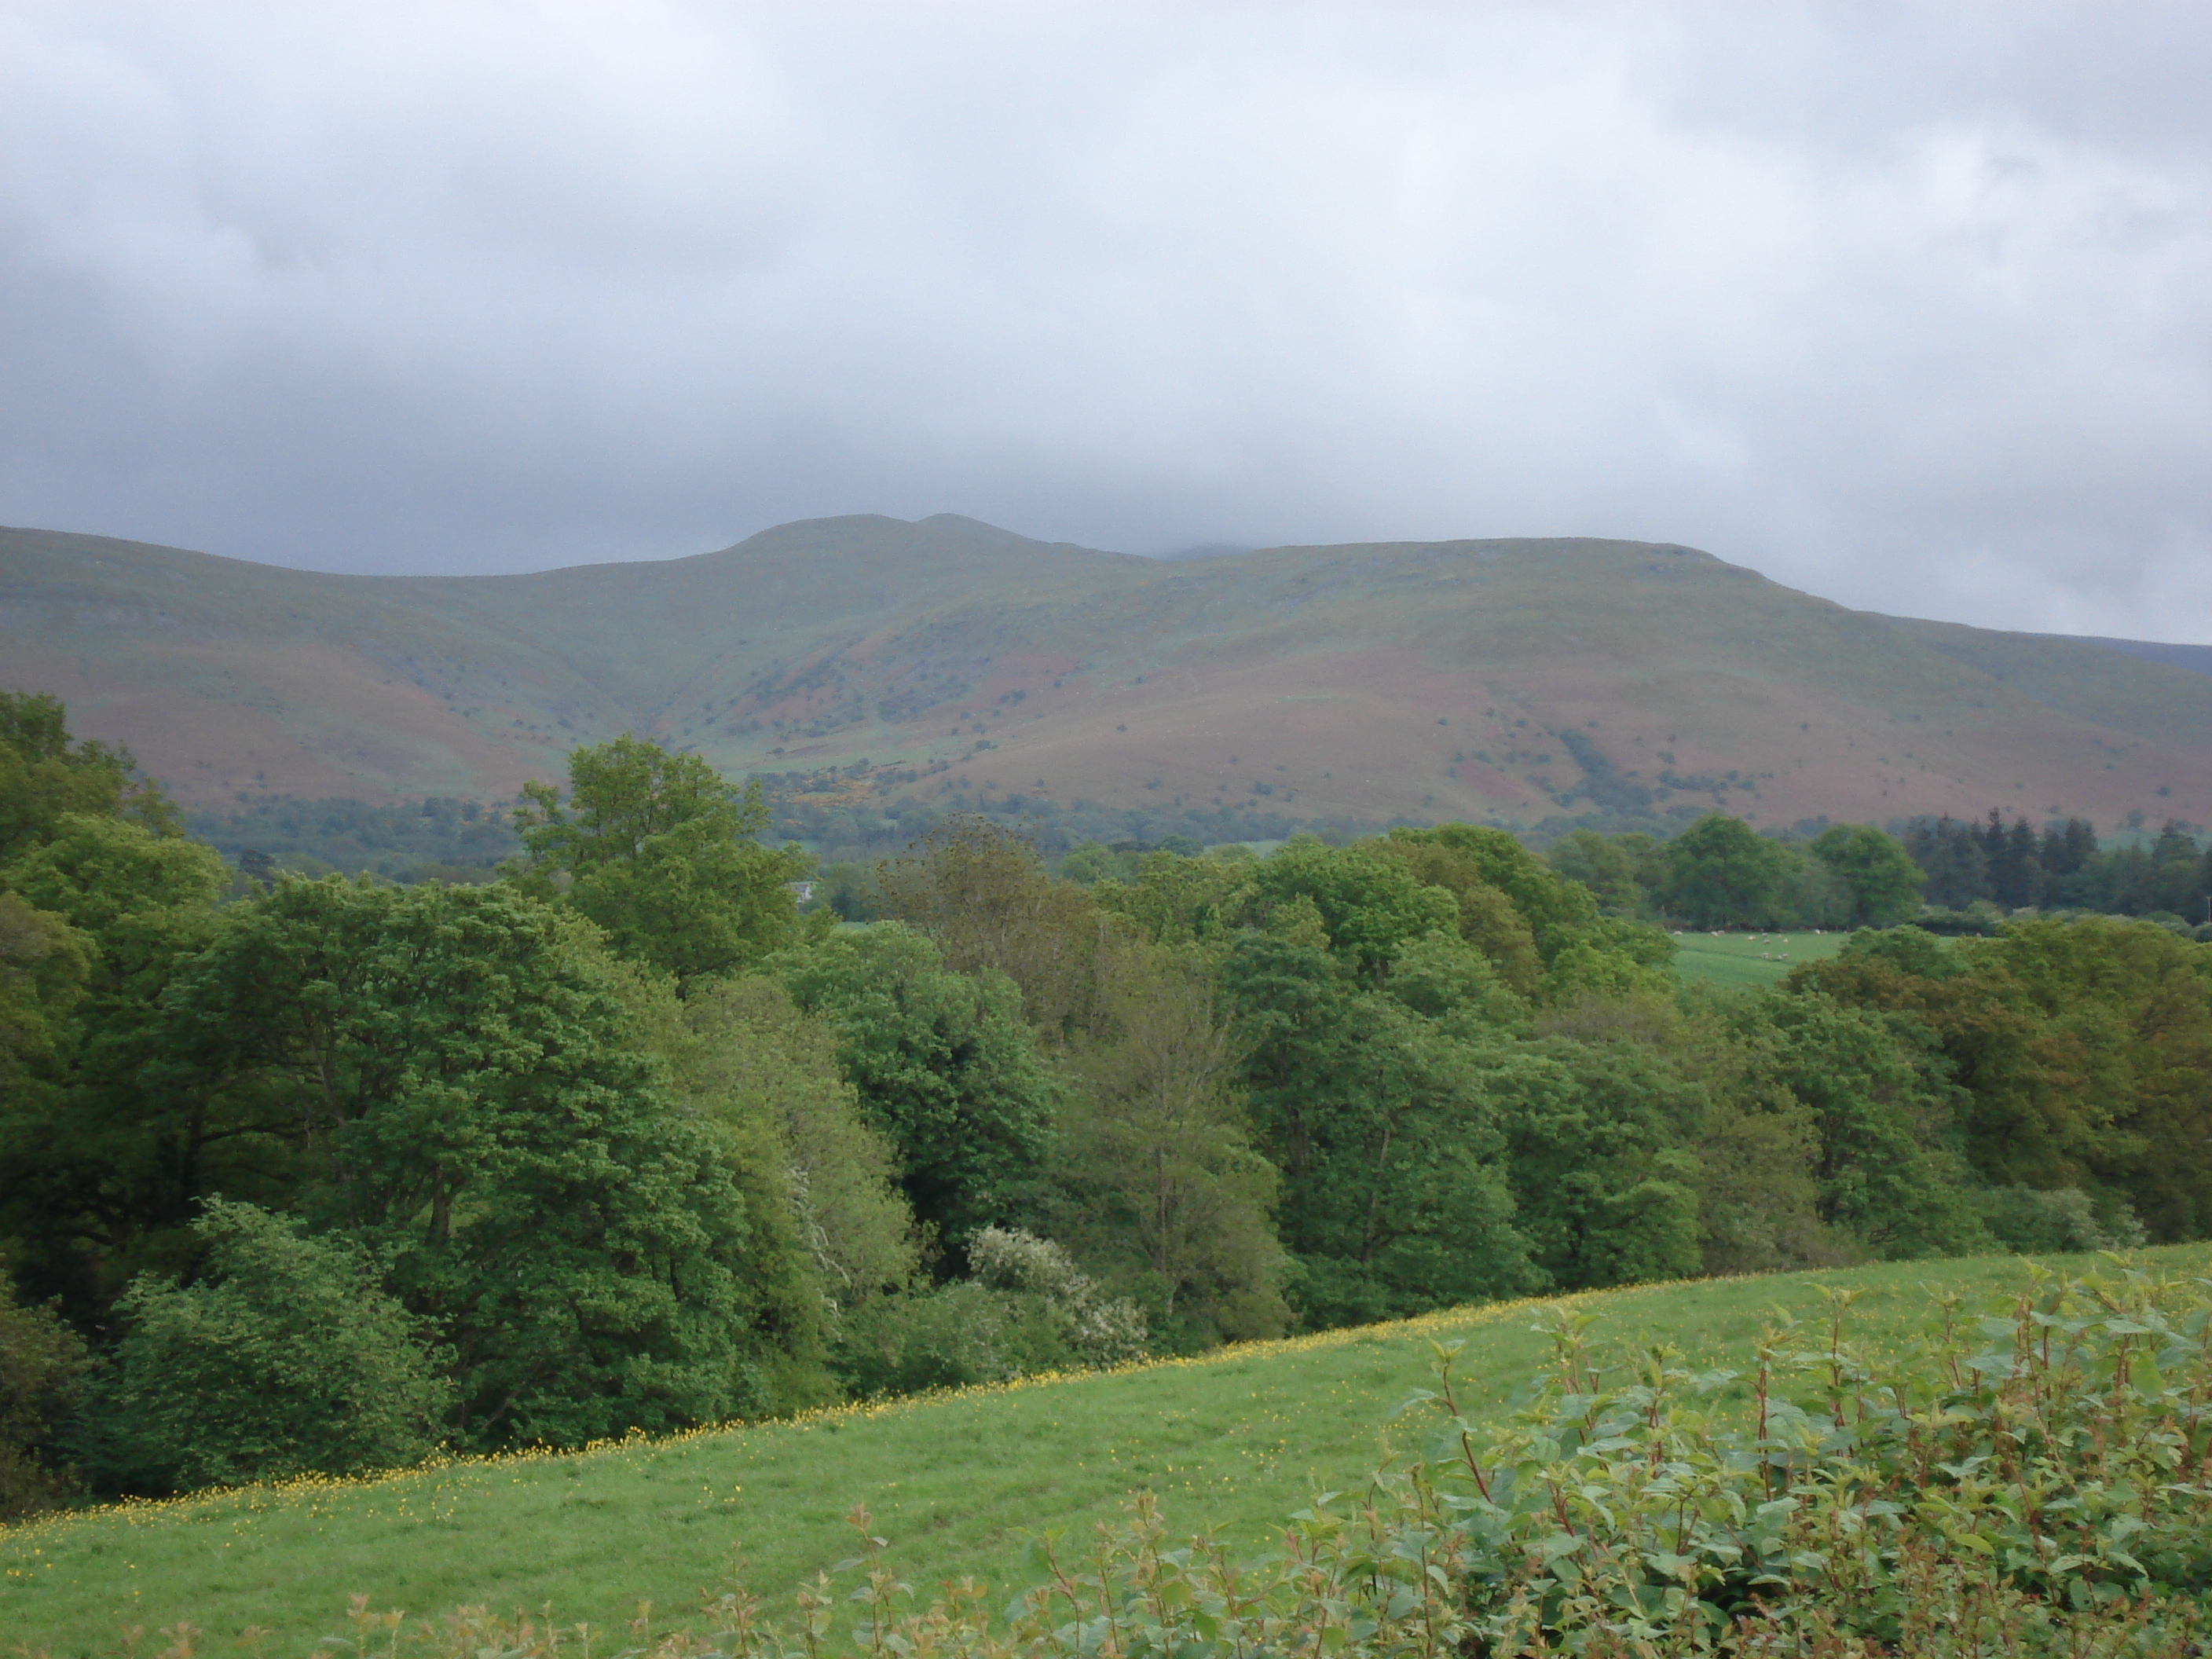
<point>1233,1441</point>
<point>1513,680</point>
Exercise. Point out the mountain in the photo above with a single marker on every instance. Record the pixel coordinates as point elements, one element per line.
<point>1514,679</point>
<point>2196,658</point>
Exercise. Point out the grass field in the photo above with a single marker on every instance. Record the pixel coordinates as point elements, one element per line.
<point>960,1484</point>
<point>1734,959</point>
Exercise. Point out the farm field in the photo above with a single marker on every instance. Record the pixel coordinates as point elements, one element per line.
<point>1734,959</point>
<point>960,1484</point>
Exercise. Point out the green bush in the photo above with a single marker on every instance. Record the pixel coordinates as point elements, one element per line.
<point>1027,1309</point>
<point>43,1370</point>
<point>282,1357</point>
<point>949,1337</point>
<point>2034,1222</point>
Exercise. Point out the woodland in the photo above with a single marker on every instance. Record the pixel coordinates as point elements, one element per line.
<point>323,1175</point>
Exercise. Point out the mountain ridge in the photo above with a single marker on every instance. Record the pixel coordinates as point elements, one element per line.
<point>1515,679</point>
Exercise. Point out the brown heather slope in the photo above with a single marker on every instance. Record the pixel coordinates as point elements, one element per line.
<point>1514,679</point>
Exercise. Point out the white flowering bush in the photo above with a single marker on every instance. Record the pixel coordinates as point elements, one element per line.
<point>1104,1330</point>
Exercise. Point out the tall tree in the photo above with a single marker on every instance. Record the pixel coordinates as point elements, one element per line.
<point>101,1161</point>
<point>46,774</point>
<point>944,1065</point>
<point>661,851</point>
<point>2084,1048</point>
<point>480,1112</point>
<point>1157,1155</point>
<point>1369,906</point>
<point>1394,1189</point>
<point>1721,873</point>
<point>742,1052</point>
<point>1607,865</point>
<point>983,895</point>
<point>1597,1135</point>
<point>1874,869</point>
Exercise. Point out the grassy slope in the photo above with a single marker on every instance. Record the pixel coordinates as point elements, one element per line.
<point>1734,959</point>
<point>1368,680</point>
<point>959,1483</point>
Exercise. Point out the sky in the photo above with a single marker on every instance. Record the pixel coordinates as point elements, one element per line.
<point>1906,305</point>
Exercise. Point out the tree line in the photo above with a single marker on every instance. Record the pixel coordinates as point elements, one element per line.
<point>1971,867</point>
<point>325,1174</point>
<point>1946,875</point>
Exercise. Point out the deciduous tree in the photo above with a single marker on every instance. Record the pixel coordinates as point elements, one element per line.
<point>482,1115</point>
<point>661,851</point>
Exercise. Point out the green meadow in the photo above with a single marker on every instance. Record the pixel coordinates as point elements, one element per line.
<point>961,1484</point>
<point>1738,959</point>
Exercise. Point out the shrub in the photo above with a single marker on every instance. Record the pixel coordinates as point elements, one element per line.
<point>1026,1309</point>
<point>2034,1222</point>
<point>1104,1330</point>
<point>284,1357</point>
<point>948,1337</point>
<point>43,1371</point>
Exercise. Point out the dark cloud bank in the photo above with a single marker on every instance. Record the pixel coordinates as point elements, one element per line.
<point>1910,305</point>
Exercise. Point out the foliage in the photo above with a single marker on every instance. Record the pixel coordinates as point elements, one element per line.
<point>2033,1221</point>
<point>1183,900</point>
<point>1593,1135</point>
<point>1720,871</point>
<point>45,775</point>
<point>659,849</point>
<point>2083,1048</point>
<point>44,963</point>
<point>1544,934</point>
<point>471,1089</point>
<point>943,1064</point>
<point>1026,1309</point>
<point>1619,871</point>
<point>1880,878</point>
<point>435,837</point>
<point>697,1157</point>
<point>1957,876</point>
<point>1104,1330</point>
<point>1368,906</point>
<point>1395,1197</point>
<point>748,1055</point>
<point>1886,1171</point>
<point>100,1162</point>
<point>1555,910</point>
<point>283,1355</point>
<point>43,1367</point>
<point>1162,1185</point>
<point>2028,1469</point>
<point>2008,867</point>
<point>948,1336</point>
<point>985,899</point>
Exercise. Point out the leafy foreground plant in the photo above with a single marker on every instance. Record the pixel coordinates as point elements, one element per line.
<point>2029,1482</point>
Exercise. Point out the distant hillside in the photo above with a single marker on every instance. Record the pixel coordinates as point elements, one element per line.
<point>2196,658</point>
<point>1515,679</point>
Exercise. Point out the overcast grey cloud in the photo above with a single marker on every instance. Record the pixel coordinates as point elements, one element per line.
<point>1909,305</point>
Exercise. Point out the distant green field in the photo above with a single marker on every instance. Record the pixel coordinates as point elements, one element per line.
<point>958,1483</point>
<point>1734,959</point>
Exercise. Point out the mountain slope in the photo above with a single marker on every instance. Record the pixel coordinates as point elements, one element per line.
<point>1515,678</point>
